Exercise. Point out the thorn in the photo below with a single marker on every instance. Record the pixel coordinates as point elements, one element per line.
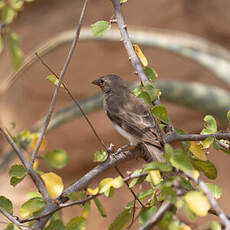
<point>124,26</point>
<point>113,20</point>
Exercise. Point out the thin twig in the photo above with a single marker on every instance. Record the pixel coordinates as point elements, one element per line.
<point>76,103</point>
<point>175,137</point>
<point>215,206</point>
<point>157,216</point>
<point>35,177</point>
<point>131,190</point>
<point>62,74</point>
<point>13,220</point>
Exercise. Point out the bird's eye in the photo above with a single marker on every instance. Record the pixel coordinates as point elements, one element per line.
<point>102,82</point>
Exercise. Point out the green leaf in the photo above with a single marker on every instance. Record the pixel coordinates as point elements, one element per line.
<point>107,185</point>
<point>1,44</point>
<point>137,180</point>
<point>215,190</point>
<point>228,117</point>
<point>164,167</point>
<point>86,209</point>
<point>207,142</point>
<point>181,161</point>
<point>2,4</point>
<point>122,220</point>
<point>77,223</point>
<point>18,171</point>
<point>8,14</point>
<point>100,28</point>
<point>155,177</point>
<point>14,180</point>
<point>151,74</point>
<point>146,213</point>
<point>191,215</point>
<point>6,204</point>
<point>118,182</point>
<point>100,156</point>
<point>165,221</point>
<point>100,207</point>
<point>16,4</point>
<point>57,159</point>
<point>54,80</point>
<point>14,50</point>
<point>197,202</point>
<point>186,184</point>
<point>33,194</point>
<point>32,206</point>
<point>11,227</point>
<point>167,194</point>
<point>211,126</point>
<point>175,225</point>
<point>75,196</point>
<point>169,151</point>
<point>161,113</point>
<point>55,225</point>
<point>207,167</point>
<point>215,225</point>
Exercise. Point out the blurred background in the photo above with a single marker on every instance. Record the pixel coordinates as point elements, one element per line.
<point>27,100</point>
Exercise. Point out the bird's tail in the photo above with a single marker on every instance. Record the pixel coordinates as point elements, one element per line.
<point>154,153</point>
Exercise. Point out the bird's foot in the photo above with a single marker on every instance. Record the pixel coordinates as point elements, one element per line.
<point>122,148</point>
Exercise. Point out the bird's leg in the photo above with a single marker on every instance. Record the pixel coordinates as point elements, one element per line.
<point>122,148</point>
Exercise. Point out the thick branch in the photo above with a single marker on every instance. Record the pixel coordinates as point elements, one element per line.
<point>127,42</point>
<point>175,137</point>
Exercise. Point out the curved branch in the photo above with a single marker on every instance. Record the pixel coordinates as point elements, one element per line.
<point>208,54</point>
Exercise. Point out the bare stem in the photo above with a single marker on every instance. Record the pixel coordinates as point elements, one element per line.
<point>76,103</point>
<point>35,177</point>
<point>62,74</point>
<point>175,137</point>
<point>127,42</point>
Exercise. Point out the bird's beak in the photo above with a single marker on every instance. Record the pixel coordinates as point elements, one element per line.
<point>96,82</point>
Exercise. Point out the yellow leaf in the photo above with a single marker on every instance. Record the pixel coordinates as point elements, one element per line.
<point>195,174</point>
<point>140,54</point>
<point>185,227</point>
<point>35,163</point>
<point>155,177</point>
<point>197,151</point>
<point>93,191</point>
<point>198,203</point>
<point>53,184</point>
<point>42,146</point>
<point>54,80</point>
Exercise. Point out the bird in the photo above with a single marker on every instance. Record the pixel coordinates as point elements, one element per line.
<point>130,116</point>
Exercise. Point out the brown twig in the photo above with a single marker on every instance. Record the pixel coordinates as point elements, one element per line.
<point>76,103</point>
<point>62,74</point>
<point>157,216</point>
<point>175,137</point>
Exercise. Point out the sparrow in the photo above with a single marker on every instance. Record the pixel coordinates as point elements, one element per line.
<point>130,115</point>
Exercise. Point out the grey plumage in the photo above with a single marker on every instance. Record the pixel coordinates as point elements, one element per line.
<point>130,116</point>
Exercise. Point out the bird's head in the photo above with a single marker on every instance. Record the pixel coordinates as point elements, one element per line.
<point>110,82</point>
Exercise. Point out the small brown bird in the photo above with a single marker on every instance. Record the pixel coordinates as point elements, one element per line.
<point>130,116</point>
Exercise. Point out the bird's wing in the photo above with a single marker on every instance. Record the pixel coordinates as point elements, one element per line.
<point>136,119</point>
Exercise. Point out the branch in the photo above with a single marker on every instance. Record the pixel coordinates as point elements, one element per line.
<point>127,42</point>
<point>13,220</point>
<point>35,177</point>
<point>84,181</point>
<point>175,137</point>
<point>76,103</point>
<point>63,71</point>
<point>216,207</point>
<point>157,216</point>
